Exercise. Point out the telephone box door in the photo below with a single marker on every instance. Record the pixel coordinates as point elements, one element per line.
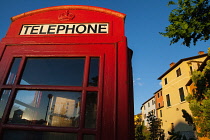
<point>58,92</point>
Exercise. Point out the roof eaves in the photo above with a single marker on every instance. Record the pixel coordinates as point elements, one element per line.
<point>179,62</point>
<point>199,69</point>
<point>158,91</point>
<point>148,100</point>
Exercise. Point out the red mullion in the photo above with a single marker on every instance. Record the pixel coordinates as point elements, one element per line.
<point>49,87</point>
<point>85,83</point>
<point>100,97</point>
<point>41,128</point>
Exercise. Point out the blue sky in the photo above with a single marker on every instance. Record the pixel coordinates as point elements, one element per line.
<point>144,20</point>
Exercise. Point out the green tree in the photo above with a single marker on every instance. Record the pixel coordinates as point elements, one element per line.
<point>190,21</point>
<point>141,132</point>
<point>175,135</point>
<point>154,127</point>
<point>199,101</point>
<point>188,118</point>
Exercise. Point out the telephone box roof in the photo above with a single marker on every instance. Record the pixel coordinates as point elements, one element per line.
<point>70,7</point>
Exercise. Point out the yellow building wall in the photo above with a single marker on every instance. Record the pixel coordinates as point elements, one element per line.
<point>173,114</point>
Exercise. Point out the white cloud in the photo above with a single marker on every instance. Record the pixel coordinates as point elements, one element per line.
<point>140,84</point>
<point>138,79</point>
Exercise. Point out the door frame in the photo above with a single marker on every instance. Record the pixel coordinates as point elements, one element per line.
<point>106,89</point>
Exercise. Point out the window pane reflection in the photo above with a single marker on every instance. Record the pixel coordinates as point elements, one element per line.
<point>33,135</point>
<point>51,108</point>
<point>91,110</point>
<point>3,101</point>
<point>53,71</point>
<point>88,137</point>
<point>93,74</point>
<point>13,71</point>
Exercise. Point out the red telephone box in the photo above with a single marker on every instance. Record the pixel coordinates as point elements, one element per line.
<point>65,73</point>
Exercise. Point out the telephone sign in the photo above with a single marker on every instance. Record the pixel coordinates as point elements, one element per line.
<point>85,28</point>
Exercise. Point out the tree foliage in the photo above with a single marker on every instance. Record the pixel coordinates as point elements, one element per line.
<point>141,132</point>
<point>176,135</point>
<point>189,22</point>
<point>199,101</point>
<point>154,127</point>
<point>188,118</point>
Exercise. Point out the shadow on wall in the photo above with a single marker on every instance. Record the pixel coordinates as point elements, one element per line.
<point>182,131</point>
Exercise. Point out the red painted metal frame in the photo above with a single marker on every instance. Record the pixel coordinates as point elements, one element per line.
<point>115,108</point>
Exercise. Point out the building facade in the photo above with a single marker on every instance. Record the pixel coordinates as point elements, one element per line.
<point>148,107</point>
<point>159,103</point>
<point>174,92</point>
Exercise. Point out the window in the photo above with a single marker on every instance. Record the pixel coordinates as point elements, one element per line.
<point>178,72</point>
<point>191,70</point>
<point>42,107</point>
<point>13,71</point>
<point>50,93</point>
<point>181,94</point>
<point>53,71</point>
<point>148,104</point>
<point>161,113</point>
<point>158,95</point>
<point>172,126</point>
<point>3,101</point>
<point>168,100</point>
<point>158,105</point>
<point>166,81</point>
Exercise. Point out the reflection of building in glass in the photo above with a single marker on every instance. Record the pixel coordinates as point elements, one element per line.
<point>31,110</point>
<point>37,99</point>
<point>64,112</point>
<point>3,101</point>
<point>11,78</point>
<point>17,114</point>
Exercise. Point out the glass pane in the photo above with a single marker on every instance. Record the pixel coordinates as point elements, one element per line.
<point>88,137</point>
<point>33,135</point>
<point>13,71</point>
<point>3,101</point>
<point>91,110</point>
<point>51,108</point>
<point>93,75</point>
<point>53,71</point>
